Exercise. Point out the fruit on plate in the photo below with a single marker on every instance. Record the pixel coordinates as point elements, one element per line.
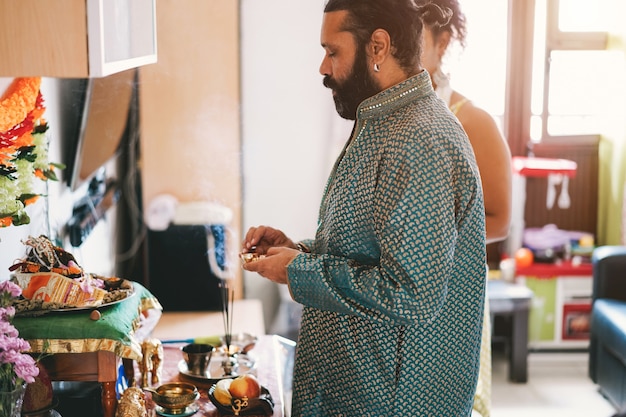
<point>245,386</point>
<point>221,392</point>
<point>232,388</point>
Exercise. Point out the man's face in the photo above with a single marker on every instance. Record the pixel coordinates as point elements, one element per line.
<point>345,67</point>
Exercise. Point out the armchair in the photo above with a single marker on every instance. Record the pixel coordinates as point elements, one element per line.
<point>607,348</point>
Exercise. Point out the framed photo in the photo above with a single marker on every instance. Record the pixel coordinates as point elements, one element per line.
<point>576,321</point>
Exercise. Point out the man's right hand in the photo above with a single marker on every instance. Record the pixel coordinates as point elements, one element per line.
<point>259,239</point>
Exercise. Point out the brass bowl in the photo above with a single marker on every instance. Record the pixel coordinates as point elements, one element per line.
<point>247,257</point>
<point>174,397</point>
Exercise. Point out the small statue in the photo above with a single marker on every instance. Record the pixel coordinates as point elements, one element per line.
<point>152,361</point>
<point>132,404</point>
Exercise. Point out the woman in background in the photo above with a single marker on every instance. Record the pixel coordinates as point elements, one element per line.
<point>492,156</point>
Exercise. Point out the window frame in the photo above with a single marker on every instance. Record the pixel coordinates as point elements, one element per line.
<point>518,113</point>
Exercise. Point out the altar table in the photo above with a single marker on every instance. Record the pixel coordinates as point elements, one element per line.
<point>274,358</point>
<point>72,347</point>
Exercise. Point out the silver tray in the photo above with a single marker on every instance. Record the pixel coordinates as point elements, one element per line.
<point>246,365</point>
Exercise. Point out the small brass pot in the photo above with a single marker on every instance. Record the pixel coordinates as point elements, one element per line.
<point>174,397</point>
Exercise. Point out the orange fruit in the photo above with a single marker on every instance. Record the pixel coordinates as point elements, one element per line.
<point>245,385</point>
<point>523,257</point>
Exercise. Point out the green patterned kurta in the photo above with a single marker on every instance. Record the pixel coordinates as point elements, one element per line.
<point>393,290</point>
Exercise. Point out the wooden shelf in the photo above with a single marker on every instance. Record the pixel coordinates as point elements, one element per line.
<point>75,38</point>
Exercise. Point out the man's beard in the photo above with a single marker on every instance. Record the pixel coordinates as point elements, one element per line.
<point>358,86</point>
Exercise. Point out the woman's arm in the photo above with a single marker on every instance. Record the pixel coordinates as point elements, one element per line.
<point>494,162</point>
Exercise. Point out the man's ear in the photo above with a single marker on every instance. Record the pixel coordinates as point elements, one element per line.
<point>380,46</point>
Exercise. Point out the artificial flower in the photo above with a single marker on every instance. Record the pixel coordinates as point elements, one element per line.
<point>23,149</point>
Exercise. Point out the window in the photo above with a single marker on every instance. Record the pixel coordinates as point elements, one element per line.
<point>578,84</point>
<point>479,71</point>
<point>542,67</point>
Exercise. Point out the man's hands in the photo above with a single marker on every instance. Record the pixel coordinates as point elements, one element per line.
<point>278,249</point>
<point>274,265</point>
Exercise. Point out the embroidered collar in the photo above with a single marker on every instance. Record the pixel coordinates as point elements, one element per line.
<point>396,96</point>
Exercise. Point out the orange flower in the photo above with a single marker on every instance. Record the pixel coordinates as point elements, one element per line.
<point>20,98</point>
<point>21,148</point>
<point>40,174</point>
<point>6,154</point>
<point>24,140</point>
<point>31,200</point>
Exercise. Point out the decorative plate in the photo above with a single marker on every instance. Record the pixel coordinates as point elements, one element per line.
<point>245,364</point>
<point>130,294</point>
<point>263,405</point>
<point>190,410</point>
<point>22,308</point>
<point>239,342</point>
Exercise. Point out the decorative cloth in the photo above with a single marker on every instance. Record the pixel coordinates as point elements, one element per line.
<point>394,286</point>
<point>75,332</point>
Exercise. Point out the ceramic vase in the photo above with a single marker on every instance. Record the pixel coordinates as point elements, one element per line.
<point>11,401</point>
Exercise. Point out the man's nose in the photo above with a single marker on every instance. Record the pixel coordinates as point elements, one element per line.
<point>325,66</point>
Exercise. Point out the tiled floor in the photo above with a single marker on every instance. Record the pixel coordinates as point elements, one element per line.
<point>558,386</point>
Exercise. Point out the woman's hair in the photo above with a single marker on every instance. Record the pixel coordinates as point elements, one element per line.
<point>402,19</point>
<point>456,25</point>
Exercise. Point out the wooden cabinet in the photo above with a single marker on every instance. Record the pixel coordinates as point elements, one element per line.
<point>75,38</point>
<point>190,112</point>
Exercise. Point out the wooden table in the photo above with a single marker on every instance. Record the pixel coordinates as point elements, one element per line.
<point>55,339</point>
<point>98,366</point>
<point>513,302</point>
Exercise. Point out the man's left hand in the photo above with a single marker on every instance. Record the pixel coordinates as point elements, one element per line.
<point>273,265</point>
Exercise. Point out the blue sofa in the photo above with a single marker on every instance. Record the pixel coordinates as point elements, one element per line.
<point>607,348</point>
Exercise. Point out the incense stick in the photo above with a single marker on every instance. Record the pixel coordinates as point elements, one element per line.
<point>228,298</point>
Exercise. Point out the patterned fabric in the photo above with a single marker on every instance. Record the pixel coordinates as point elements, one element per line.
<point>482,399</point>
<point>394,286</point>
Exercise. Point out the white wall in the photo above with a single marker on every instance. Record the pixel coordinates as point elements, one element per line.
<point>286,114</point>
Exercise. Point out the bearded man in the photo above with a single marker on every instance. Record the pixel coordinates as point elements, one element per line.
<point>392,286</point>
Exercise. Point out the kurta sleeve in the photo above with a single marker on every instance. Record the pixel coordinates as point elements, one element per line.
<point>417,196</point>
